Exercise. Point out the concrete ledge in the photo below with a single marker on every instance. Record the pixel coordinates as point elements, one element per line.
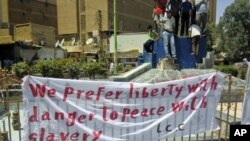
<point>127,76</point>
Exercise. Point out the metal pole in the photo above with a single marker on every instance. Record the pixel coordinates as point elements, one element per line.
<point>115,38</point>
<point>79,22</point>
<point>54,50</point>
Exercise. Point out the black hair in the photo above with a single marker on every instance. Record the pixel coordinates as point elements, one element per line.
<point>150,27</point>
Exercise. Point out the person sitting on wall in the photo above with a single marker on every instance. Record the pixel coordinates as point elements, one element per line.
<point>148,45</point>
<point>195,33</point>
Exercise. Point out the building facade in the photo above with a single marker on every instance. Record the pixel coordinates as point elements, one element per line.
<point>35,12</point>
<point>91,16</point>
<point>41,12</point>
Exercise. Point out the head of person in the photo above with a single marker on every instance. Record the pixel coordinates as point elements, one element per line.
<point>150,28</point>
<point>169,13</point>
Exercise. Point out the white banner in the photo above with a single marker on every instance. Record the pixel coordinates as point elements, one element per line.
<point>246,104</point>
<point>77,110</point>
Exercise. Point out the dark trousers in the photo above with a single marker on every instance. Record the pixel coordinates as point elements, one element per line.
<point>193,17</point>
<point>176,17</point>
<point>148,46</point>
<point>184,23</point>
<point>203,22</point>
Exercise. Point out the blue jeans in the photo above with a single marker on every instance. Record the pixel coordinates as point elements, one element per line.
<point>168,36</point>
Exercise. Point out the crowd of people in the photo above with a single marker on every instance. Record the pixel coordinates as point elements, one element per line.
<point>192,15</point>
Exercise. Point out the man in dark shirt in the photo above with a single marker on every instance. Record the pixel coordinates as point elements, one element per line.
<point>175,8</point>
<point>186,11</point>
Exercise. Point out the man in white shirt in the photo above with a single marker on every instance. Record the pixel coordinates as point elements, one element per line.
<point>168,25</point>
<point>195,33</point>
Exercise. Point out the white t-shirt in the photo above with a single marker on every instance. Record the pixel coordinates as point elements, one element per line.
<point>194,30</point>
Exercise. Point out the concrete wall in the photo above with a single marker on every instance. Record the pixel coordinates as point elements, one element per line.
<point>35,33</point>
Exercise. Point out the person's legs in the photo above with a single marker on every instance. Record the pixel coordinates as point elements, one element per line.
<point>193,18</point>
<point>148,46</point>
<point>172,42</point>
<point>165,43</point>
<point>203,22</point>
<point>177,17</point>
<point>193,46</point>
<point>182,24</point>
<point>187,25</point>
<point>198,19</point>
<point>197,39</point>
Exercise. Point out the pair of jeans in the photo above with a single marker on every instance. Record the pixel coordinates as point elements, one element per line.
<point>170,51</point>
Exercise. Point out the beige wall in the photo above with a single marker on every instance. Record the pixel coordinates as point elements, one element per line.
<point>67,16</point>
<point>48,1</point>
<point>4,16</point>
<point>1,12</point>
<point>35,33</point>
<point>32,11</point>
<point>92,7</point>
<point>45,33</point>
<point>132,16</point>
<point>23,32</point>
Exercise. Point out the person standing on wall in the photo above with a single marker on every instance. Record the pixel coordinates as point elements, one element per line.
<point>153,35</point>
<point>158,12</point>
<point>175,8</point>
<point>203,16</point>
<point>168,26</point>
<point>186,12</point>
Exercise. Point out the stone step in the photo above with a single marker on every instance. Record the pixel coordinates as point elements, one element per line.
<point>168,64</point>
